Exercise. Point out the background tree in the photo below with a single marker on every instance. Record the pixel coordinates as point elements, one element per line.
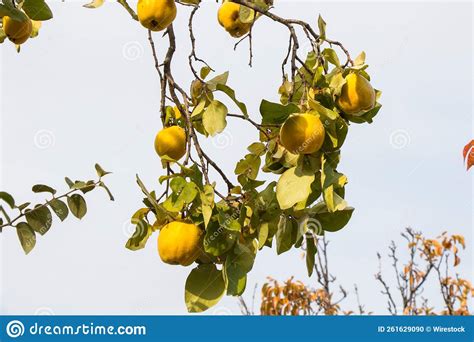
<point>430,263</point>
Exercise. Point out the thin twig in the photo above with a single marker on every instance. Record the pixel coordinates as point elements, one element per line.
<point>127,7</point>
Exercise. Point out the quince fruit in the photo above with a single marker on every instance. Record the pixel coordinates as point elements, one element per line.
<point>179,243</point>
<point>156,15</point>
<point>357,95</point>
<point>229,18</point>
<point>302,134</point>
<point>17,31</point>
<point>171,142</point>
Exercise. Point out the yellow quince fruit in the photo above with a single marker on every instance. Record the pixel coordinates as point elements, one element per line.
<point>357,95</point>
<point>156,15</point>
<point>302,134</point>
<point>17,31</point>
<point>171,142</point>
<point>179,243</point>
<point>229,18</point>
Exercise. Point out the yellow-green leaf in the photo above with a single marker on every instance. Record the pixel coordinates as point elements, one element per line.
<point>214,118</point>
<point>204,288</point>
<point>293,186</point>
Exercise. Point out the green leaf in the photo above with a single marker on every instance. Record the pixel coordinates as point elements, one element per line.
<point>140,237</point>
<point>246,15</point>
<point>331,180</point>
<point>204,288</point>
<point>85,187</point>
<point>336,83</point>
<point>231,93</point>
<point>332,222</point>
<point>219,79</point>
<point>205,71</point>
<point>367,116</point>
<point>60,208</point>
<point>323,111</point>
<point>207,200</point>
<point>218,240</point>
<point>275,113</point>
<point>257,149</point>
<point>199,108</point>
<point>331,56</point>
<point>150,198</point>
<point>37,10</point>
<point>183,193</point>
<point>237,265</point>
<point>214,118</point>
<point>322,27</point>
<point>102,185</point>
<point>7,9</point>
<point>39,219</point>
<point>311,251</point>
<point>69,182</point>
<point>5,196</point>
<point>191,2</point>
<point>23,206</point>
<point>293,186</point>
<point>43,188</point>
<point>263,233</point>
<point>285,235</point>
<point>360,60</point>
<point>77,205</point>
<point>100,171</point>
<point>249,166</point>
<point>27,236</point>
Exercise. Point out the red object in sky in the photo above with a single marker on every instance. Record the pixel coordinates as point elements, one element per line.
<point>468,154</point>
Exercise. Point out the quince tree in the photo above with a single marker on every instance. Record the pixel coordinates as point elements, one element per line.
<point>220,230</point>
<point>218,226</point>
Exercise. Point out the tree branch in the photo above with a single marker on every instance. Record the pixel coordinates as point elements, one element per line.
<point>127,7</point>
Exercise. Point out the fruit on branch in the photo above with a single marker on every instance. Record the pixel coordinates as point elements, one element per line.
<point>357,95</point>
<point>171,142</point>
<point>156,15</point>
<point>17,31</point>
<point>229,18</point>
<point>178,243</point>
<point>302,134</point>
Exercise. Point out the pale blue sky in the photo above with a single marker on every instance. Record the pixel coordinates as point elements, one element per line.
<point>81,85</point>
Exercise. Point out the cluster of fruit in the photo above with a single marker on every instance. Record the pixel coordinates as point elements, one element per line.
<point>300,140</point>
<point>300,134</point>
<point>157,15</point>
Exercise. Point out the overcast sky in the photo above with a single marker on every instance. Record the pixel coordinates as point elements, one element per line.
<point>85,91</point>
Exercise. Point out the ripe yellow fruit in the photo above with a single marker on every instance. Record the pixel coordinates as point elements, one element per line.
<point>17,31</point>
<point>228,17</point>
<point>171,142</point>
<point>357,95</point>
<point>179,242</point>
<point>302,134</point>
<point>156,15</point>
